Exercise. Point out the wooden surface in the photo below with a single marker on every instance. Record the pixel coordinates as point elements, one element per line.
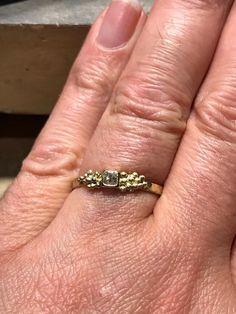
<point>35,64</point>
<point>39,41</point>
<point>55,12</point>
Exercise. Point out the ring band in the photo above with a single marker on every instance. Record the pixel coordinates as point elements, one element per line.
<point>125,182</point>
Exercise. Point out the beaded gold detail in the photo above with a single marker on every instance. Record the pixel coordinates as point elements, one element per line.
<point>125,182</point>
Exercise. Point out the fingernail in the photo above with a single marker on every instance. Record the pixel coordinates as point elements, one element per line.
<point>119,23</point>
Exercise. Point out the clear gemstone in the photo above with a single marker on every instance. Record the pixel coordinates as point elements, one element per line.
<point>110,178</point>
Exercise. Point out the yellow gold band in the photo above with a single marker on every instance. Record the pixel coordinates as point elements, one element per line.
<point>125,182</point>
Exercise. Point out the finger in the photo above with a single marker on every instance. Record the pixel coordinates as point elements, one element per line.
<point>46,175</point>
<point>200,193</point>
<point>143,124</point>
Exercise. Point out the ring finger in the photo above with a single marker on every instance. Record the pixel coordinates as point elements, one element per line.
<point>142,127</point>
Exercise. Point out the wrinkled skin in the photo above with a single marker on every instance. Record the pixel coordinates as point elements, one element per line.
<point>158,105</point>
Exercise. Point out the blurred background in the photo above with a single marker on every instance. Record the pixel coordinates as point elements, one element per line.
<point>39,39</point>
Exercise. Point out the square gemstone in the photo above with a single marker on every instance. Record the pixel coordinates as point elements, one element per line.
<point>110,178</point>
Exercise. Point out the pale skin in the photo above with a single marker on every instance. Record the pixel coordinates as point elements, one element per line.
<point>162,103</point>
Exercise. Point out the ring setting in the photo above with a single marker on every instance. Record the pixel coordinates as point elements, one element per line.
<point>123,181</point>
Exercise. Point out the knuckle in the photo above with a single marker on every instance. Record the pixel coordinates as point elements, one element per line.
<point>216,115</point>
<point>204,4</point>
<point>92,76</point>
<point>51,160</point>
<point>158,110</point>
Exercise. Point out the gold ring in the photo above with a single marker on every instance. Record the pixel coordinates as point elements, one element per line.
<point>125,182</point>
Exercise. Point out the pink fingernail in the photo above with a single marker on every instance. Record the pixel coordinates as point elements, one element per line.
<point>119,23</point>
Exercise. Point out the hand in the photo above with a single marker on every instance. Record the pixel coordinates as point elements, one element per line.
<point>126,106</point>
